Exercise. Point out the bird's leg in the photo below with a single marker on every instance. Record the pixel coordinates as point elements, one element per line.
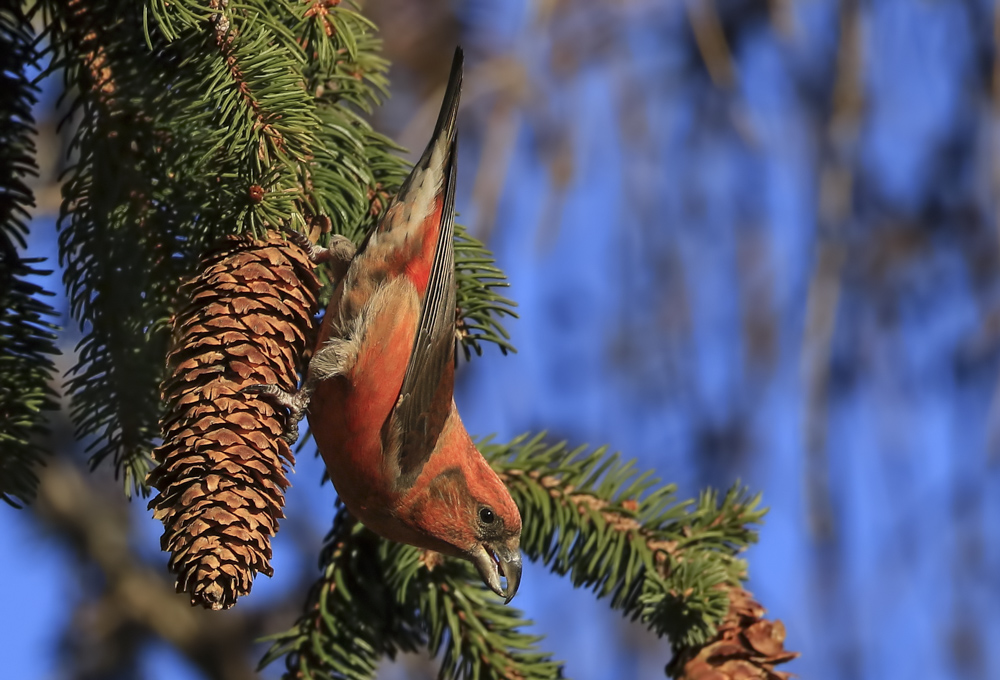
<point>340,251</point>
<point>336,357</point>
<point>339,254</point>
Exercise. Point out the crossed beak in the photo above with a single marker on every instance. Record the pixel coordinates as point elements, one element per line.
<point>494,561</point>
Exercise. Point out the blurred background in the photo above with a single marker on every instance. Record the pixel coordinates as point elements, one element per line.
<point>750,240</point>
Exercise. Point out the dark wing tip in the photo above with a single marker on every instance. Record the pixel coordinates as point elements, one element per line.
<point>448,116</point>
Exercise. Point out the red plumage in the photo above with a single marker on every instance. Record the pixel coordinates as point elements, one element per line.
<point>381,382</point>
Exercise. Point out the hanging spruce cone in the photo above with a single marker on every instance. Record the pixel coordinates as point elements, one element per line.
<point>746,647</point>
<point>221,475</point>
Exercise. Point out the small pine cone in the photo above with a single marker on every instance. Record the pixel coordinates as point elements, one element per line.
<point>249,320</point>
<point>746,647</point>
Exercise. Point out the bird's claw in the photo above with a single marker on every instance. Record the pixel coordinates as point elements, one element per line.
<point>296,404</point>
<point>340,250</point>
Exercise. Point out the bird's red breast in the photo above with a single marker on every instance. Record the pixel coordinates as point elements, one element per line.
<point>347,413</point>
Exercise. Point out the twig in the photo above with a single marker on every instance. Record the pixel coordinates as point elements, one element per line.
<point>835,199</point>
<point>711,40</point>
<point>225,35</point>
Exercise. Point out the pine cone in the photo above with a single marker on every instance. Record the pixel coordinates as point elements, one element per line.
<point>746,646</point>
<point>221,475</point>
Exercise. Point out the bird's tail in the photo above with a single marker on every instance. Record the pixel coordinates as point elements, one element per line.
<point>445,128</point>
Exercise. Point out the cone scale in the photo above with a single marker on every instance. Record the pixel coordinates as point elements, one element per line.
<point>222,465</point>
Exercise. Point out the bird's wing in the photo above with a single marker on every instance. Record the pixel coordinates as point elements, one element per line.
<point>426,393</point>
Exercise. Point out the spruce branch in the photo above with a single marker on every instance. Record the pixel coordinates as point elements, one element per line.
<point>303,75</point>
<point>615,532</point>
<point>247,105</point>
<point>119,240</point>
<point>354,186</point>
<point>347,79</point>
<point>377,598</point>
<point>343,52</point>
<point>230,118</point>
<point>481,307</point>
<point>481,637</point>
<point>672,565</point>
<point>352,617</point>
<point>26,332</point>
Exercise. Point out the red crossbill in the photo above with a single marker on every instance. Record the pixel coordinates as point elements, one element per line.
<point>379,394</point>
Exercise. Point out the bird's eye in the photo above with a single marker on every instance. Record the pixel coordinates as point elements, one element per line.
<point>486,516</point>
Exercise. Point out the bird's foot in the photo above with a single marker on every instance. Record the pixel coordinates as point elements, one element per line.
<point>340,250</point>
<point>295,402</point>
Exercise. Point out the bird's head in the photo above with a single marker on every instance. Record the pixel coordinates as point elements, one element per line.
<point>496,549</point>
<point>470,511</point>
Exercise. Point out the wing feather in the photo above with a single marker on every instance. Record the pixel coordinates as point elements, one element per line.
<point>426,393</point>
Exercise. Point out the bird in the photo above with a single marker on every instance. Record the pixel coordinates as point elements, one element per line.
<point>379,392</point>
